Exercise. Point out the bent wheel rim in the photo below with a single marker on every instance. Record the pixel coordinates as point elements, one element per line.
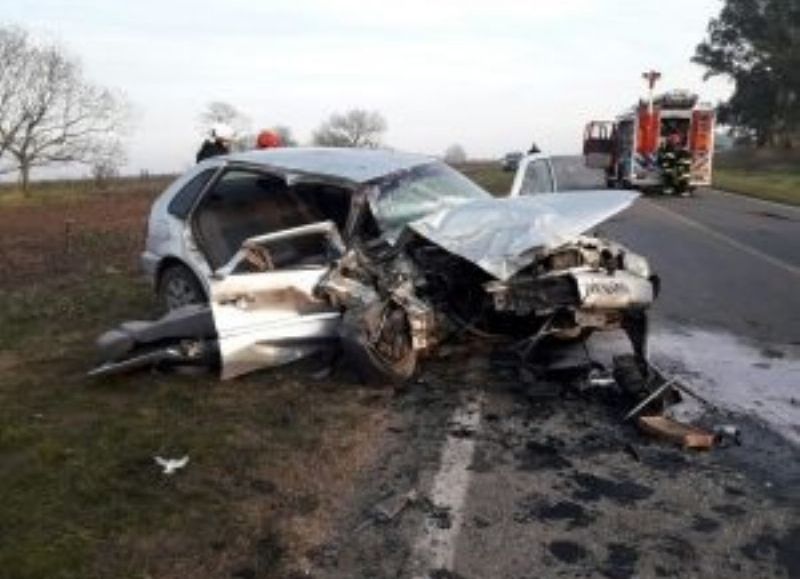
<point>179,292</point>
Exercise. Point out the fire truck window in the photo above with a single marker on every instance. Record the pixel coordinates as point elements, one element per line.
<point>625,132</point>
<point>680,126</point>
<point>537,179</point>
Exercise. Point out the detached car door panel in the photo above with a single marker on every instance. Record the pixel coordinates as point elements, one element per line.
<point>265,310</point>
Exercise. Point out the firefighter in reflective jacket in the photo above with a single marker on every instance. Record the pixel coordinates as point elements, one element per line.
<point>675,162</point>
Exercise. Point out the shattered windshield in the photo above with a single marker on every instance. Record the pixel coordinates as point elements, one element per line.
<point>419,192</point>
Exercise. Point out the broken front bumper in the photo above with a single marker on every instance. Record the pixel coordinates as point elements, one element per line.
<point>596,298</point>
<point>619,290</point>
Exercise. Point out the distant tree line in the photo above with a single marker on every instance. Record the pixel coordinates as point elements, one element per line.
<point>353,128</point>
<point>756,43</point>
<point>51,114</point>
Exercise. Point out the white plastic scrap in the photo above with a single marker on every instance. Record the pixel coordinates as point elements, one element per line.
<point>170,465</point>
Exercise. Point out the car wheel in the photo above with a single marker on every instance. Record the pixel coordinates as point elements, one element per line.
<point>376,340</point>
<point>630,376</point>
<point>178,286</point>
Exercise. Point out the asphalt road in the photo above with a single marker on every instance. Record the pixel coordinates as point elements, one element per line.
<point>482,474</point>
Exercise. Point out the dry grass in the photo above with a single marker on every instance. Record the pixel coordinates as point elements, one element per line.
<point>489,175</point>
<point>272,456</point>
<point>766,174</point>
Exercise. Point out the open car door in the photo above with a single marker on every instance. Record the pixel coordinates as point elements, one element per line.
<point>263,302</point>
<point>598,144</point>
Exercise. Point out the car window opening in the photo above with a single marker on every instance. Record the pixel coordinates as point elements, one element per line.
<point>244,204</point>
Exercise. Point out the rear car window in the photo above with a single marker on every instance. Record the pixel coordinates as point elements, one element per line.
<point>184,200</point>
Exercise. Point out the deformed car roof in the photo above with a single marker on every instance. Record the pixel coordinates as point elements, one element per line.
<point>356,165</point>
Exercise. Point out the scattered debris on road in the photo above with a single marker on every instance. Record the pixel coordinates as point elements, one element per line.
<point>391,507</point>
<point>684,435</point>
<point>728,433</point>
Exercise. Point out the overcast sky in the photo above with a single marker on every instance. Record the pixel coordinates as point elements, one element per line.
<point>492,75</point>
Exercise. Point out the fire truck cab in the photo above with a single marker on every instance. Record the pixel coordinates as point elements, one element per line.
<point>627,148</point>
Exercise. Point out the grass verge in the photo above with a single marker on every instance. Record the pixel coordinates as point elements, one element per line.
<point>771,174</point>
<point>780,186</point>
<point>75,191</point>
<point>489,175</point>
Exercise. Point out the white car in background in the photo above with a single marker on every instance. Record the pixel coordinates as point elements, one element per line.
<point>535,174</point>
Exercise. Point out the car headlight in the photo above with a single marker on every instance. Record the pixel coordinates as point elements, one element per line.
<point>637,265</point>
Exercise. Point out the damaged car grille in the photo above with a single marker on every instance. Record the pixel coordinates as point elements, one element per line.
<point>524,295</point>
<point>563,260</point>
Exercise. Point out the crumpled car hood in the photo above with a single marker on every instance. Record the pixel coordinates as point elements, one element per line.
<point>502,236</point>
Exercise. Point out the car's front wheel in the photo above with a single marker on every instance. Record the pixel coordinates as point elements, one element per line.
<point>376,340</point>
<point>178,286</point>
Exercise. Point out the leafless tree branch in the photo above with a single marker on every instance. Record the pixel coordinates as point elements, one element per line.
<point>355,128</point>
<point>49,113</point>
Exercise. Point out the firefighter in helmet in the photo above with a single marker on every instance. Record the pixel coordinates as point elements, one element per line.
<point>268,140</point>
<point>218,142</point>
<point>675,162</point>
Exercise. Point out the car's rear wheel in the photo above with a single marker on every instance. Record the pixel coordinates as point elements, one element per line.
<point>377,341</point>
<point>178,286</point>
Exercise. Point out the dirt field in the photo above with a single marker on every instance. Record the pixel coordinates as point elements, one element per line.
<point>270,457</point>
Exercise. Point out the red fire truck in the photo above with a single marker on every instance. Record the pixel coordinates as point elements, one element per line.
<point>627,148</point>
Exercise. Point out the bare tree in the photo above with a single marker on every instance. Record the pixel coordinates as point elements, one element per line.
<point>15,71</point>
<point>226,113</point>
<point>455,154</point>
<point>355,128</point>
<point>51,113</point>
<point>107,163</point>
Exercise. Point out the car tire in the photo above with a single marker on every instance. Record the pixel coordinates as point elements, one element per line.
<point>367,356</point>
<point>178,286</point>
<point>630,376</point>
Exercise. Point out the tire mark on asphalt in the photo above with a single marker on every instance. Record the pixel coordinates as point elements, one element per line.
<point>787,267</point>
<point>436,544</point>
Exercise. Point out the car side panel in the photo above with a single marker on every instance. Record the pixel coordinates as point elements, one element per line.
<point>270,318</point>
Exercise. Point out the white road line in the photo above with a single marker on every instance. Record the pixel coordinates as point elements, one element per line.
<point>785,266</point>
<point>435,547</point>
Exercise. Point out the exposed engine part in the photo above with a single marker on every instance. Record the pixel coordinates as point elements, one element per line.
<point>527,294</point>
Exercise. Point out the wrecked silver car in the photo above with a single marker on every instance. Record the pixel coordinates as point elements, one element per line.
<point>384,255</point>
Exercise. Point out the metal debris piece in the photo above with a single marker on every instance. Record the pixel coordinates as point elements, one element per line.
<point>684,435</point>
<point>682,387</point>
<point>728,432</point>
<point>170,465</point>
<point>388,509</point>
<point>655,394</point>
<point>633,452</point>
<point>601,379</point>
